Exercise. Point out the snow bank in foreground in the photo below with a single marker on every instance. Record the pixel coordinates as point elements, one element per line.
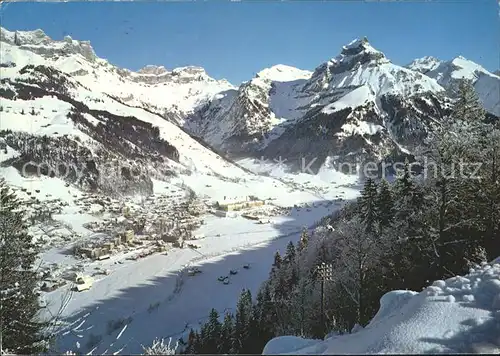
<point>458,315</point>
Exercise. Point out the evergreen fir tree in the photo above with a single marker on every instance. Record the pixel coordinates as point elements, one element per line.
<point>368,205</point>
<point>20,332</point>
<point>277,260</point>
<point>407,195</point>
<point>468,106</point>
<point>212,333</point>
<point>304,239</point>
<point>492,193</point>
<point>385,204</point>
<point>290,252</point>
<point>242,323</point>
<point>226,337</point>
<point>266,313</point>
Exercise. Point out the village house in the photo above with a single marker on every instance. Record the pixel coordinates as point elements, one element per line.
<point>234,205</point>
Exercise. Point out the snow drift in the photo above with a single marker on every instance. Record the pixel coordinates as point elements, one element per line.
<point>458,315</point>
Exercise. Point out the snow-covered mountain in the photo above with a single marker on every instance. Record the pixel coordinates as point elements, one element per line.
<point>121,132</point>
<point>53,116</point>
<point>414,323</point>
<point>448,74</point>
<point>173,94</point>
<point>237,117</point>
<point>358,103</point>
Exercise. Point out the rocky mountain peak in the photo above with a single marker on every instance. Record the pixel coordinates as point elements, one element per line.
<point>425,64</point>
<point>40,43</point>
<point>358,51</point>
<point>152,69</point>
<point>189,71</point>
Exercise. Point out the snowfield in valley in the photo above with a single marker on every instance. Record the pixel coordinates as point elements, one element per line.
<point>118,311</point>
<point>157,290</point>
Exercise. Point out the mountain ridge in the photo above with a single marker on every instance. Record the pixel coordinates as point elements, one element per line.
<point>358,102</point>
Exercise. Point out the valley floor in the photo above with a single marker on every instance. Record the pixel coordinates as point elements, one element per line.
<point>135,301</point>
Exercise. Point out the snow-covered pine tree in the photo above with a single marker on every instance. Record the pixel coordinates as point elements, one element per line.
<point>20,331</point>
<point>212,332</point>
<point>468,106</point>
<point>226,336</point>
<point>202,338</point>
<point>191,347</point>
<point>408,199</point>
<point>404,184</point>
<point>290,252</point>
<point>158,347</point>
<point>256,341</point>
<point>368,205</point>
<point>277,260</point>
<point>385,204</point>
<point>242,323</point>
<point>491,169</point>
<point>304,238</point>
<point>16,39</point>
<point>265,312</point>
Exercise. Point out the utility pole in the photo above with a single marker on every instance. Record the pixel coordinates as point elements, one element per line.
<point>325,272</point>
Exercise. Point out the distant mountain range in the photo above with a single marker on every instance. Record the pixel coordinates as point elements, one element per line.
<point>356,105</point>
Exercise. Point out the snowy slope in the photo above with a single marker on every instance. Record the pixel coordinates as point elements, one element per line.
<point>459,315</point>
<point>447,74</point>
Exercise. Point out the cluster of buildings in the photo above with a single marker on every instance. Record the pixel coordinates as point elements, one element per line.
<point>239,204</point>
<point>159,220</point>
<point>102,250</point>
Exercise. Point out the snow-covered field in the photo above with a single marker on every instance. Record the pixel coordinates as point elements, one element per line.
<point>136,301</point>
<point>458,315</point>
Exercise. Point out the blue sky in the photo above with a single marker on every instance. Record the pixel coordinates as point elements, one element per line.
<point>235,40</point>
